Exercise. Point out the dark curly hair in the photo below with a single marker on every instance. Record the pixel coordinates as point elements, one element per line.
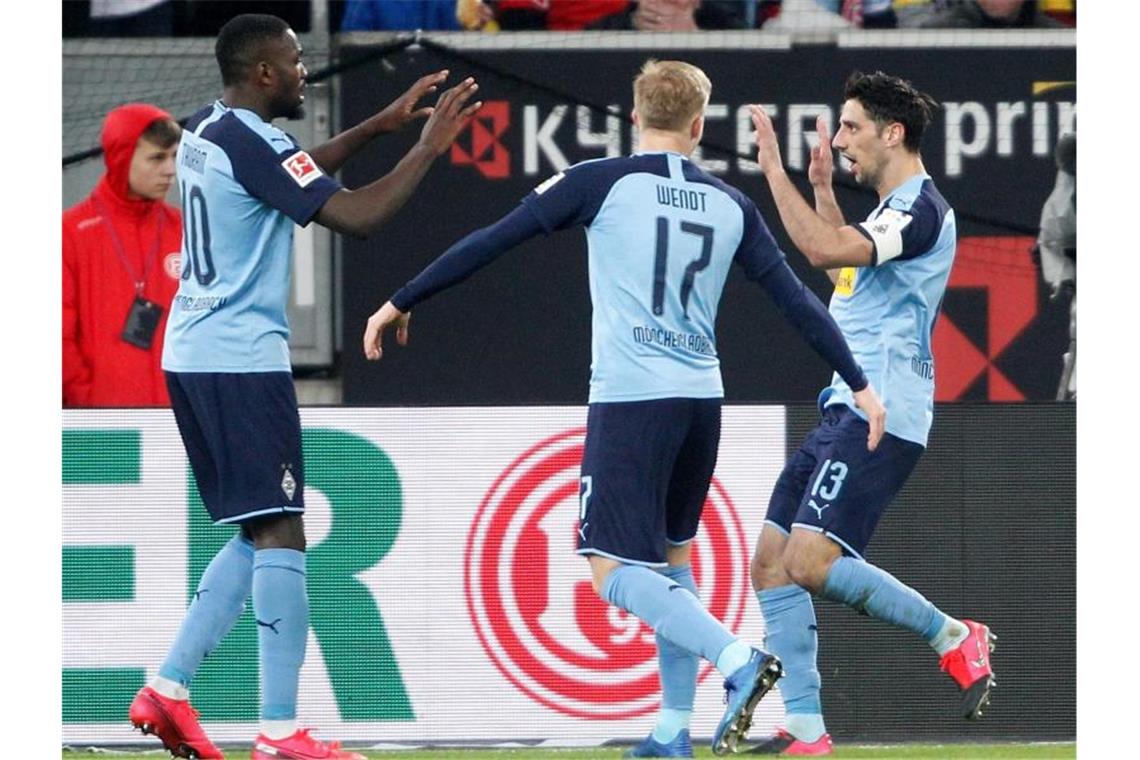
<point>239,41</point>
<point>889,99</point>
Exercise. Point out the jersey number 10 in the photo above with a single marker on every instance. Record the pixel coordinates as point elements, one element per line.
<point>196,227</point>
<point>705,233</point>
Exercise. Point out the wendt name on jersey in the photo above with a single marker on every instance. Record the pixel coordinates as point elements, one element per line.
<point>677,197</point>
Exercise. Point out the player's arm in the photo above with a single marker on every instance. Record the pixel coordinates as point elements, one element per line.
<point>808,314</point>
<point>455,265</point>
<point>567,199</point>
<point>332,154</point>
<point>764,263</point>
<point>359,212</point>
<point>825,245</point>
<point>820,171</point>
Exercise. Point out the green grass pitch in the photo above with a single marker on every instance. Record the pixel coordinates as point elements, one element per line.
<point>1009,751</point>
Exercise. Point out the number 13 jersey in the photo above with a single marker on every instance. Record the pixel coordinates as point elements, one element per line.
<point>244,183</point>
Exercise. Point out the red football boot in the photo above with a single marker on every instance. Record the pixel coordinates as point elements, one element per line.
<point>174,722</point>
<point>969,665</point>
<point>783,743</point>
<point>300,746</point>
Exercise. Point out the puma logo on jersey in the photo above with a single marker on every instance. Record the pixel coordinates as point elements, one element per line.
<point>818,509</point>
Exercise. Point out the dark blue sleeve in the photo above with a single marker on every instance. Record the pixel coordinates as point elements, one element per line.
<point>289,181</point>
<point>571,197</point>
<point>468,256</point>
<point>919,236</point>
<point>757,252</point>
<point>801,307</point>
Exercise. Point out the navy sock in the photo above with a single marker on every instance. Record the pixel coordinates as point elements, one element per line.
<point>217,604</point>
<point>281,606</point>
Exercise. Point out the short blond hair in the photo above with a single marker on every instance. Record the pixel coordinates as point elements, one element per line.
<point>670,94</point>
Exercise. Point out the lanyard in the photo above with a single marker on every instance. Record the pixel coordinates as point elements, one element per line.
<point>139,282</point>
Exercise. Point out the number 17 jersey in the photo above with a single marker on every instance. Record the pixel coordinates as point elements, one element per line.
<point>662,234</point>
<point>243,183</point>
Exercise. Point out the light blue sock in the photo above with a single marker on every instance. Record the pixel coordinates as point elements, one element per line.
<point>866,588</point>
<point>678,671</point>
<point>216,606</point>
<point>671,722</point>
<point>789,620</point>
<point>674,613</point>
<point>281,607</point>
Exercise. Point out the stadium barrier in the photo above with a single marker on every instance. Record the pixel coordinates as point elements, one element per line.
<point>448,605</point>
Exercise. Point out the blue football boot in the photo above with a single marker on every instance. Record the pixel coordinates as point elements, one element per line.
<point>743,690</point>
<point>680,746</point>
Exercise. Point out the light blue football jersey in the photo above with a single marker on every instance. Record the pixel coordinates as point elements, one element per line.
<point>661,235</point>
<point>244,183</point>
<point>887,310</point>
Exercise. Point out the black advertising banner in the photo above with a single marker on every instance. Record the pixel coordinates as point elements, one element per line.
<point>519,331</point>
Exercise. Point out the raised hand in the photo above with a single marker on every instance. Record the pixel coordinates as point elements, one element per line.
<point>767,147</point>
<point>403,110</point>
<point>449,116</point>
<point>822,163</point>
<point>374,331</point>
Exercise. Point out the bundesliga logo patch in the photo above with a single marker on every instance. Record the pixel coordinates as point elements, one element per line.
<point>302,168</point>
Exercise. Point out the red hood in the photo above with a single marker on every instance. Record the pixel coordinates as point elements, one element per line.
<point>121,130</point>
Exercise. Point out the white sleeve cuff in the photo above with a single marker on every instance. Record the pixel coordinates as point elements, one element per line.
<point>885,232</point>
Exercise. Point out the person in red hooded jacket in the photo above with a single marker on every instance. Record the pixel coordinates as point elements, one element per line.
<point>121,266</point>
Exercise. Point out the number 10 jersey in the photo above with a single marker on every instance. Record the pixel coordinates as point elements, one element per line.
<point>243,184</point>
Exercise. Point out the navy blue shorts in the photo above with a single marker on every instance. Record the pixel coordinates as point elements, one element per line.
<point>242,433</point>
<point>645,476</point>
<point>833,485</point>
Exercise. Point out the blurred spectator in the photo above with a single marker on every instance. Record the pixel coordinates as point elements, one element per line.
<point>868,14</point>
<point>1064,11</point>
<point>1056,251</point>
<point>553,15</point>
<point>406,14</point>
<point>131,18</point>
<point>978,14</point>
<point>678,16</point>
<point>121,248</point>
<point>801,15</point>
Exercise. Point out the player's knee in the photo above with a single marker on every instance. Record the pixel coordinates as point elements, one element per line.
<point>766,571</point>
<point>278,532</point>
<point>599,571</point>
<point>804,571</point>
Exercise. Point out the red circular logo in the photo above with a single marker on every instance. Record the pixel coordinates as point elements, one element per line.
<point>531,602</point>
<point>172,265</point>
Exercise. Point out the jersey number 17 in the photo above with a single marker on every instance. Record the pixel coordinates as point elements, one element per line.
<point>705,233</point>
